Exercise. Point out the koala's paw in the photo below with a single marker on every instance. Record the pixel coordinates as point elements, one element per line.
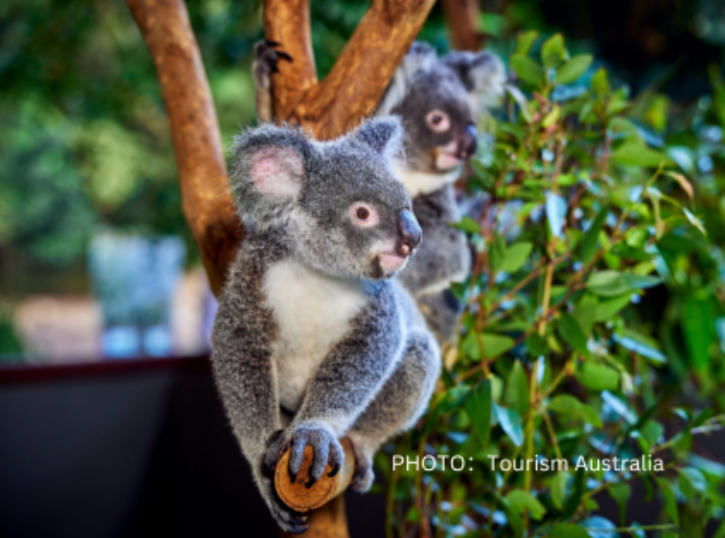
<point>266,57</point>
<point>287,519</point>
<point>297,437</point>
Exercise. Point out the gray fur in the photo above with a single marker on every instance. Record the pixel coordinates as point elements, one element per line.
<point>456,84</point>
<point>375,377</point>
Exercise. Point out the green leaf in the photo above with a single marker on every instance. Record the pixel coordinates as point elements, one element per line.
<point>510,421</point>
<point>641,344</point>
<point>621,493</point>
<point>568,530</point>
<point>697,223</point>
<point>691,482</point>
<point>493,345</point>
<point>597,377</point>
<point>697,325</point>
<point>478,406</point>
<point>536,345</point>
<point>517,390</point>
<point>589,245</point>
<point>558,488</point>
<point>573,69</point>
<point>567,405</point>
<point>571,332</point>
<point>668,492</point>
<point>524,42</point>
<point>611,283</point>
<point>516,256</point>
<point>528,70</point>
<point>600,83</point>
<point>522,501</point>
<point>514,521</point>
<point>635,155</point>
<point>572,502</point>
<point>553,51</point>
<point>467,224</point>
<point>607,309</point>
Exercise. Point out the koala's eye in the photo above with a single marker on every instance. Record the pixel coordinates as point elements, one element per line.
<point>438,121</point>
<point>364,215</point>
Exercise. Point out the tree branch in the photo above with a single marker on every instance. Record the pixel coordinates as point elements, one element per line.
<point>461,16</point>
<point>207,202</point>
<point>358,79</point>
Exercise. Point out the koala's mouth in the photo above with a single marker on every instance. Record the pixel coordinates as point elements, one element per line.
<point>447,161</point>
<point>391,262</point>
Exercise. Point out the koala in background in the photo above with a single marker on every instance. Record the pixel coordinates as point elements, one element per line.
<point>438,100</point>
<point>313,340</point>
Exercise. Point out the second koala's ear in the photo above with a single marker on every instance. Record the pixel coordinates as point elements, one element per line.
<point>482,73</point>
<point>384,135</point>
<point>268,171</point>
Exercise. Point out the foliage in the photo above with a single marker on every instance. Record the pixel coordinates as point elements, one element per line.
<point>592,310</point>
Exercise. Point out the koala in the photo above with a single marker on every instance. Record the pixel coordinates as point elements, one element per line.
<point>314,339</point>
<point>438,100</point>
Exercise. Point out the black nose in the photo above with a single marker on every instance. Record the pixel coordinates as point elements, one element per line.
<point>468,142</point>
<point>410,233</point>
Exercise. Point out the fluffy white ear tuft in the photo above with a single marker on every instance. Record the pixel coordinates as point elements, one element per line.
<point>276,171</point>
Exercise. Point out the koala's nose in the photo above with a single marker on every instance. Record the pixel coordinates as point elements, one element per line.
<point>410,233</point>
<point>468,143</point>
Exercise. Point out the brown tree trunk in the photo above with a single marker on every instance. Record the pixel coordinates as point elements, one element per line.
<point>207,201</point>
<point>462,17</point>
<point>360,75</point>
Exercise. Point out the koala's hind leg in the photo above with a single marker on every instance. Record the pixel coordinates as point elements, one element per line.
<point>266,57</point>
<point>398,405</point>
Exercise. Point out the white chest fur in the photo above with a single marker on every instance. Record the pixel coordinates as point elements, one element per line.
<point>313,312</point>
<point>423,182</point>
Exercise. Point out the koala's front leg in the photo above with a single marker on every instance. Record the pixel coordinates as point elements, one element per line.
<point>348,379</point>
<point>245,377</point>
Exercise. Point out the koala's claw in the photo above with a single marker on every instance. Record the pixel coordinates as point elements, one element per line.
<point>266,58</point>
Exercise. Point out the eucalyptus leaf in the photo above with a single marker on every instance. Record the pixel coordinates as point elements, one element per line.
<point>478,406</point>
<point>516,256</point>
<point>589,245</point>
<point>528,70</point>
<point>523,501</point>
<point>510,421</point>
<point>573,69</point>
<point>597,377</point>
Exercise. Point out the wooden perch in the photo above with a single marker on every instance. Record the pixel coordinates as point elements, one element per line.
<point>462,16</point>
<point>297,496</point>
<point>205,191</point>
<point>356,83</point>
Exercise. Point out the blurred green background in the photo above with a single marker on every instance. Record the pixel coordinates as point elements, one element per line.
<point>85,145</point>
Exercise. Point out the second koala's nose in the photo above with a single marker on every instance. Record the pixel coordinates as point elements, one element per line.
<point>410,233</point>
<point>468,143</point>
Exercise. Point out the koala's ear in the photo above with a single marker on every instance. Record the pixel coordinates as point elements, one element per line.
<point>276,171</point>
<point>420,58</point>
<point>268,171</point>
<point>384,135</point>
<point>482,73</point>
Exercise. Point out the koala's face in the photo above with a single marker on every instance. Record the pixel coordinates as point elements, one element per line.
<point>439,119</point>
<point>337,204</point>
<point>354,217</point>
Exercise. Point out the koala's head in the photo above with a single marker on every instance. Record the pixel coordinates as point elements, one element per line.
<point>337,205</point>
<point>438,100</point>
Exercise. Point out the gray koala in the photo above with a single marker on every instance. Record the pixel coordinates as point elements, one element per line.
<point>313,340</point>
<point>438,100</point>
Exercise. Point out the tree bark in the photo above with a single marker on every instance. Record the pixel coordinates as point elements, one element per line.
<point>356,83</point>
<point>461,16</point>
<point>207,201</point>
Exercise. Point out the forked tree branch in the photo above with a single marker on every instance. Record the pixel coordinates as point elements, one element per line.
<point>461,16</point>
<point>207,202</point>
<point>356,83</point>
